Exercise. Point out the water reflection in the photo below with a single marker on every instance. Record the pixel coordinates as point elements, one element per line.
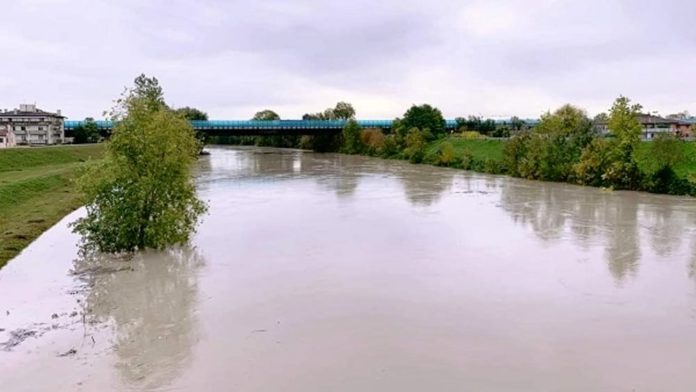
<point>149,301</point>
<point>622,248</point>
<point>424,189</point>
<point>590,216</point>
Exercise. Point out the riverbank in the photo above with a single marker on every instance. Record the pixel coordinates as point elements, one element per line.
<point>483,153</point>
<point>36,191</point>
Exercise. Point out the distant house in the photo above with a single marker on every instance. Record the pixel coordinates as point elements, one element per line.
<point>655,125</point>
<point>34,126</point>
<point>7,137</point>
<point>686,128</point>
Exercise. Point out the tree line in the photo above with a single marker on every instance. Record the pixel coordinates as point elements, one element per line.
<point>564,146</point>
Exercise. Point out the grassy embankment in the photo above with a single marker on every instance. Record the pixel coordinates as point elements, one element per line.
<point>37,190</point>
<point>492,149</point>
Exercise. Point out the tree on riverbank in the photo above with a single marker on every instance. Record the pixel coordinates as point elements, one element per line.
<point>141,195</point>
<point>553,147</point>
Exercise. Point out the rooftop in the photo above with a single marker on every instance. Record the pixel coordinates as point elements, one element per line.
<point>29,110</point>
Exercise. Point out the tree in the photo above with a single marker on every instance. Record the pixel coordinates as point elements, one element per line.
<point>344,111</point>
<point>424,117</point>
<point>266,115</point>
<point>612,162</point>
<point>192,114</point>
<point>601,118</point>
<point>351,138</point>
<point>516,124</point>
<point>553,148</point>
<point>87,132</point>
<point>150,90</point>
<point>141,195</point>
<point>328,142</point>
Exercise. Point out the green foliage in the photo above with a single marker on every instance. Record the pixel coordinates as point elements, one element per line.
<point>342,111</point>
<point>150,90</point>
<point>415,145</point>
<point>373,141</point>
<point>486,127</point>
<point>611,162</point>
<point>550,151</point>
<point>665,151</point>
<point>87,132</point>
<point>472,135</point>
<point>623,172</point>
<point>192,114</point>
<point>390,148</point>
<point>141,195</point>
<point>266,115</point>
<point>446,154</point>
<point>351,138</point>
<point>594,162</point>
<point>515,153</point>
<point>425,118</point>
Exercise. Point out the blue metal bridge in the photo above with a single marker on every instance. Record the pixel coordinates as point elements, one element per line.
<point>252,127</point>
<point>293,127</point>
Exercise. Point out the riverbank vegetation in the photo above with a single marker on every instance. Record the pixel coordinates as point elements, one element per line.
<point>141,194</point>
<point>564,146</point>
<point>37,190</point>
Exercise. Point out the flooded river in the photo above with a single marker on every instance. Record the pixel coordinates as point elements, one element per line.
<point>321,272</point>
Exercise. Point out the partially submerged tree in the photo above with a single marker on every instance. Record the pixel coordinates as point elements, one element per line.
<point>141,195</point>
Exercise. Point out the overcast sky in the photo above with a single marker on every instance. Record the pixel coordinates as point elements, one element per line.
<point>233,58</point>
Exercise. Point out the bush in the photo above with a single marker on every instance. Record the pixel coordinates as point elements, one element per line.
<point>390,149</point>
<point>515,153</point>
<point>351,138</point>
<point>551,150</point>
<point>373,141</point>
<point>471,135</point>
<point>415,145</point>
<point>594,162</point>
<point>445,156</point>
<point>665,180</point>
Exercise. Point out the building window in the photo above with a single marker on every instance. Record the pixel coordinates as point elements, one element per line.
<point>2,140</point>
<point>41,129</point>
<point>23,128</point>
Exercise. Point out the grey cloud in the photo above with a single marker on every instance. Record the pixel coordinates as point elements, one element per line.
<point>232,57</point>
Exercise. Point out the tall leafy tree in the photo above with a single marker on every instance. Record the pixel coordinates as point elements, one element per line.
<point>141,195</point>
<point>192,114</point>
<point>87,132</point>
<point>424,117</point>
<point>266,115</point>
<point>553,148</point>
<point>343,111</point>
<point>611,162</point>
<point>351,138</point>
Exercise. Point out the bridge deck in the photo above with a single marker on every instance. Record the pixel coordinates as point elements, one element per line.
<point>252,127</point>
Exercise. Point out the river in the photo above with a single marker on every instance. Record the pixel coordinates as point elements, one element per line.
<point>326,272</point>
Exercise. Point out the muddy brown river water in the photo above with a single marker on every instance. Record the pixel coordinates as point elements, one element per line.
<point>321,272</point>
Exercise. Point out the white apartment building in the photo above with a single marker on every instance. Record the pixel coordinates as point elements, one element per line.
<point>7,137</point>
<point>31,125</point>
